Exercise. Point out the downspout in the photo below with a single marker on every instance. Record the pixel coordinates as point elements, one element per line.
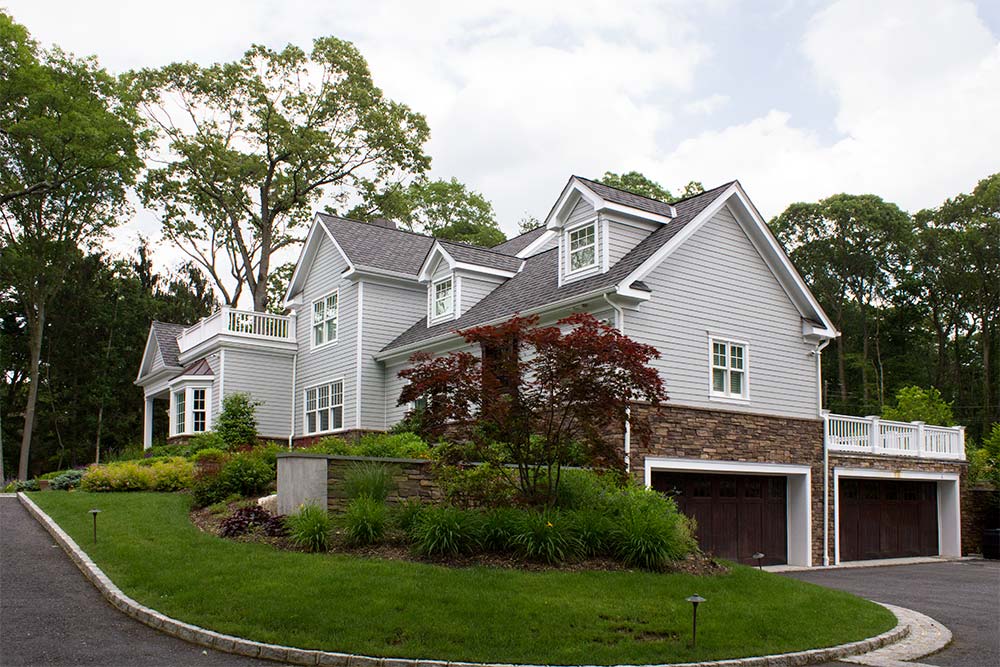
<point>826,451</point>
<point>620,325</point>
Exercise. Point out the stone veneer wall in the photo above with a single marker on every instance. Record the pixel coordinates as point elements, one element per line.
<point>982,512</point>
<point>413,479</point>
<point>720,435</point>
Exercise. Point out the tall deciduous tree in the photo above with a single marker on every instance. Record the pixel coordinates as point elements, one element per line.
<point>536,393</point>
<point>640,184</point>
<point>251,146</point>
<point>69,150</point>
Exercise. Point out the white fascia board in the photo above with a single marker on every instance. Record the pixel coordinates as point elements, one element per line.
<point>306,256</point>
<point>574,191</point>
<point>533,247</point>
<point>147,351</point>
<point>208,346</point>
<point>720,466</point>
<point>486,270</point>
<point>636,213</point>
<point>191,381</point>
<point>426,269</point>
<point>407,350</point>
<point>360,271</point>
<point>156,382</point>
<point>915,475</point>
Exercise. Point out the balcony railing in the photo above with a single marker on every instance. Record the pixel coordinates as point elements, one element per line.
<point>873,435</point>
<point>243,323</point>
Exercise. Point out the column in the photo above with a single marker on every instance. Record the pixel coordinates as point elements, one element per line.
<point>147,424</point>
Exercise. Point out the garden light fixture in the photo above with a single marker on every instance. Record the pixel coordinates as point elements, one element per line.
<point>759,557</point>
<point>695,600</point>
<point>94,513</point>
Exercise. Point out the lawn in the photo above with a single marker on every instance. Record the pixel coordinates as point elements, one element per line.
<point>149,548</point>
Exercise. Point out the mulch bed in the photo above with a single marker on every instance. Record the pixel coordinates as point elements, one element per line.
<point>207,521</point>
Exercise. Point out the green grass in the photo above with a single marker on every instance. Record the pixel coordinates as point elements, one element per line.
<point>150,549</point>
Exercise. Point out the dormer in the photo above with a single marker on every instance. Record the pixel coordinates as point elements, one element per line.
<point>458,276</point>
<point>596,225</point>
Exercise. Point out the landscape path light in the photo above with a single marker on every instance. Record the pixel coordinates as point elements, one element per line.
<point>759,557</point>
<point>94,513</point>
<point>695,600</point>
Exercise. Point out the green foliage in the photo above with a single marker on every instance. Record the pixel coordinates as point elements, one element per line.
<point>648,531</point>
<point>546,536</point>
<point>500,525</point>
<point>68,480</point>
<point>984,460</point>
<point>447,531</point>
<point>392,445</point>
<point>19,485</point>
<point>637,183</point>
<point>209,491</point>
<point>331,445</point>
<point>586,489</point>
<point>247,474</point>
<point>209,454</point>
<point>592,529</point>
<point>51,475</point>
<point>483,485</point>
<point>917,404</point>
<point>365,521</point>
<point>368,479</point>
<point>406,514</point>
<point>200,441</point>
<point>161,474</point>
<point>236,425</point>
<point>309,528</point>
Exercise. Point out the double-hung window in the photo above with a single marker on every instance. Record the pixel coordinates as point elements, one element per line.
<point>199,410</point>
<point>325,407</point>
<point>729,369</point>
<point>443,298</point>
<point>324,324</point>
<point>583,247</point>
<point>180,412</point>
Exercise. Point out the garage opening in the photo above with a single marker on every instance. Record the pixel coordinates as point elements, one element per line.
<point>882,518</point>
<point>736,515</point>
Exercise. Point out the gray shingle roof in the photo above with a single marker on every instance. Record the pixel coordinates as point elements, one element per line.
<point>166,335</point>
<point>538,282</point>
<point>378,247</point>
<point>518,243</point>
<point>469,254</point>
<point>626,198</point>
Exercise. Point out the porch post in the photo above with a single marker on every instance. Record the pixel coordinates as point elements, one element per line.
<point>147,424</point>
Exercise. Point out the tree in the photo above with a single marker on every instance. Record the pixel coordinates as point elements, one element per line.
<point>917,404</point>
<point>277,287</point>
<point>69,150</point>
<point>257,143</point>
<point>853,251</point>
<point>528,223</point>
<point>637,183</point>
<point>537,394</point>
<point>444,209</point>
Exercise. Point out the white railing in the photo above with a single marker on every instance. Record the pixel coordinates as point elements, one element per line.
<point>232,322</point>
<point>873,435</point>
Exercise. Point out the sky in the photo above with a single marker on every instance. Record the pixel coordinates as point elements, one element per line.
<point>797,100</point>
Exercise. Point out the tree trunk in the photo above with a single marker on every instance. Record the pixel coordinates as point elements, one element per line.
<point>865,389</point>
<point>36,324</point>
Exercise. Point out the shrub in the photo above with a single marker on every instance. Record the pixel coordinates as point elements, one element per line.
<point>482,485</point>
<point>52,475</point>
<point>407,513</point>
<point>209,491</point>
<point>331,445</point>
<point>546,536</point>
<point>648,531</point>
<point>586,489</point>
<point>309,528</point>
<point>500,525</point>
<point>393,445</point>
<point>246,474</point>
<point>160,474</point>
<point>249,518</point>
<point>237,422</point>
<point>365,520</point>
<point>67,480</point>
<point>126,453</point>
<point>209,454</point>
<point>447,531</point>
<point>592,530</point>
<point>203,441</point>
<point>172,474</point>
<point>368,479</point>
<point>19,485</point>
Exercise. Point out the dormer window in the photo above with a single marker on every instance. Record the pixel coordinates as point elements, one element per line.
<point>583,248</point>
<point>443,299</point>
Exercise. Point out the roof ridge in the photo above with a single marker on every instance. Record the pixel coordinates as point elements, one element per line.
<point>661,201</point>
<point>476,247</point>
<point>405,231</point>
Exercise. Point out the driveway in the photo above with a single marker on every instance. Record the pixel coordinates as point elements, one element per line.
<point>963,595</point>
<point>50,614</point>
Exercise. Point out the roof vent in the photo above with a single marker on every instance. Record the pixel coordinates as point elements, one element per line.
<point>382,222</point>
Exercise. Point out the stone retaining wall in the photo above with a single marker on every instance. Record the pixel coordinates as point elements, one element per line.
<point>413,478</point>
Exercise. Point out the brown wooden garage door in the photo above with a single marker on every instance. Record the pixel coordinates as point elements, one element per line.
<point>737,515</point>
<point>887,519</point>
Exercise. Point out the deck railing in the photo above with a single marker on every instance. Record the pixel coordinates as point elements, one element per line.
<point>873,435</point>
<point>233,322</point>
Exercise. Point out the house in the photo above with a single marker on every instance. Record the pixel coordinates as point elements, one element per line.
<point>743,441</point>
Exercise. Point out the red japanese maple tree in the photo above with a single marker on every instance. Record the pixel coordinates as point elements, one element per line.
<point>537,397</point>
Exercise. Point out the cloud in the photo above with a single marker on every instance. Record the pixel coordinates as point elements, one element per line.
<point>706,106</point>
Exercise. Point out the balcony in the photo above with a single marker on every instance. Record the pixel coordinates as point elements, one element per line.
<point>872,435</point>
<point>238,324</point>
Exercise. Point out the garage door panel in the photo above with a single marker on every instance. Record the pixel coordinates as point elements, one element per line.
<point>887,519</point>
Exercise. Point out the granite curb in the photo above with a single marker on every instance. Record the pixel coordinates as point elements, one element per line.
<point>290,655</point>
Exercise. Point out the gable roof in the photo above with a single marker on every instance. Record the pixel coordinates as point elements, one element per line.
<point>537,284</point>
<point>519,243</point>
<point>369,246</point>
<point>166,334</point>
<point>470,254</point>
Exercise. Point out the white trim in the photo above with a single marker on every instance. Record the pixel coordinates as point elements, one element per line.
<point>306,256</point>
<point>725,396</point>
<point>948,502</point>
<point>359,354</point>
<point>605,243</point>
<point>429,266</point>
<point>798,496</point>
<point>312,322</point>
<point>531,248</point>
<point>432,317</point>
<point>458,295</point>
<point>187,385</point>
<point>568,274</point>
<point>343,407</point>
<point>222,376</point>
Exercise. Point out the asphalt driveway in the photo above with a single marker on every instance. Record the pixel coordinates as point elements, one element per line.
<point>50,614</point>
<point>963,595</point>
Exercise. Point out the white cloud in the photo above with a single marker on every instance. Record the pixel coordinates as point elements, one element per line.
<point>706,106</point>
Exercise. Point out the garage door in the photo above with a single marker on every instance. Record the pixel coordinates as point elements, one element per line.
<point>887,519</point>
<point>736,515</point>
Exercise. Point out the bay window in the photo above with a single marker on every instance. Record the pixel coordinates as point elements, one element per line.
<point>190,408</point>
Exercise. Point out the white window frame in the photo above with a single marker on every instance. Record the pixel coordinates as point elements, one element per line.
<point>433,315</point>
<point>329,386</point>
<point>594,246</point>
<point>195,411</point>
<point>727,394</point>
<point>186,390</point>
<point>322,324</point>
